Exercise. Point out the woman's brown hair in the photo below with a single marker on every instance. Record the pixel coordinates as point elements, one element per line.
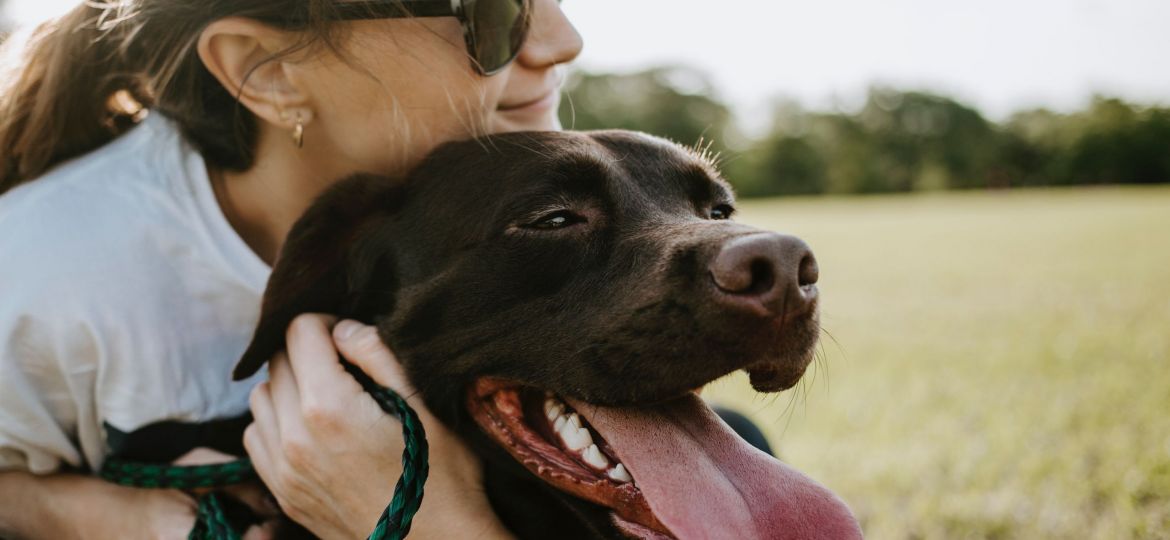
<point>82,80</point>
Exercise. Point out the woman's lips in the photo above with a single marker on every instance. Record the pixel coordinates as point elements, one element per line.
<point>541,104</point>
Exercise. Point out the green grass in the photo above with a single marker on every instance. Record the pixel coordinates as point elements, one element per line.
<point>998,366</point>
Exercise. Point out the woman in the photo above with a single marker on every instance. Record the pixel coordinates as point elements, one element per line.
<point>135,255</point>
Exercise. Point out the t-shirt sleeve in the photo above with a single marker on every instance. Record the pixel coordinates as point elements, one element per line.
<point>38,397</point>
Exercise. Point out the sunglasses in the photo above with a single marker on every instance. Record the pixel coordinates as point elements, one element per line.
<point>494,30</point>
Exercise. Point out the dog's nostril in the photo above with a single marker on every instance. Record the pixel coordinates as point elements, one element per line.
<point>746,267</point>
<point>809,271</point>
<point>738,276</point>
<point>763,278</point>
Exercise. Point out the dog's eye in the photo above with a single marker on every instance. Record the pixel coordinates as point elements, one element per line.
<point>556,220</point>
<point>722,211</point>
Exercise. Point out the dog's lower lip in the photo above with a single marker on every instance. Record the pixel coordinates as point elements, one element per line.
<point>521,426</point>
<point>771,377</point>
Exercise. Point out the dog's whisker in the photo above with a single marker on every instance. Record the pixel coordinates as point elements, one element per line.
<point>793,400</point>
<point>804,392</point>
<point>822,361</point>
<point>824,330</point>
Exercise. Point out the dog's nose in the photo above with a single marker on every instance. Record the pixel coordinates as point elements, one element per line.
<point>767,273</point>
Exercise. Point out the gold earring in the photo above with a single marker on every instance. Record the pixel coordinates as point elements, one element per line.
<point>298,134</point>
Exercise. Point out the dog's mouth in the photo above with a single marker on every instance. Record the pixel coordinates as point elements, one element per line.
<point>665,470</point>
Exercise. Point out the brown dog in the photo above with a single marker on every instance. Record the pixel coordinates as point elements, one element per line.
<point>555,297</point>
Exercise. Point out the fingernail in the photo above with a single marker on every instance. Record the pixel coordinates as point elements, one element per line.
<point>346,329</point>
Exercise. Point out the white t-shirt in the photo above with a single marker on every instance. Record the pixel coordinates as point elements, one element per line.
<point>125,300</point>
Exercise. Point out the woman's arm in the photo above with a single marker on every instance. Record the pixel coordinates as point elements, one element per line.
<point>74,506</point>
<point>331,456</point>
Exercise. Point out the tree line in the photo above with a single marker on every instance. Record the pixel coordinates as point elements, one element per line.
<point>898,141</point>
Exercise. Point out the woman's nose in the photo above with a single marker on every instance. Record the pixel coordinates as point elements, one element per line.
<point>552,39</point>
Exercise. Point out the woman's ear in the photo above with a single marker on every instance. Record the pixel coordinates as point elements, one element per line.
<point>243,55</point>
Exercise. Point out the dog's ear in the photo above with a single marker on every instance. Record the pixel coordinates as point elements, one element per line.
<point>327,263</point>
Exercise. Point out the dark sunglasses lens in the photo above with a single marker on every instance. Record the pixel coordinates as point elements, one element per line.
<point>499,28</point>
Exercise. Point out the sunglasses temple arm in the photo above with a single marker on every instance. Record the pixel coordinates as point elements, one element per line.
<point>395,9</point>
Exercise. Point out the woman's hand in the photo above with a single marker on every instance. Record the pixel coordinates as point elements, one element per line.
<point>331,456</point>
<point>75,506</point>
<point>140,513</point>
<point>147,513</point>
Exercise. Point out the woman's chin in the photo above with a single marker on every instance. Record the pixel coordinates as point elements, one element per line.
<point>518,120</point>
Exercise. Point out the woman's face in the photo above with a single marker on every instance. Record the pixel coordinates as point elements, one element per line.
<point>408,85</point>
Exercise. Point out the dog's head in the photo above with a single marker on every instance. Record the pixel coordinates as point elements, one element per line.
<point>556,298</point>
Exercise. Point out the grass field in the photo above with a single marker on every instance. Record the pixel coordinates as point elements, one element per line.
<point>999,365</point>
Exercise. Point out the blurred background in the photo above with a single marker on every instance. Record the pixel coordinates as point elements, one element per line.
<point>984,185</point>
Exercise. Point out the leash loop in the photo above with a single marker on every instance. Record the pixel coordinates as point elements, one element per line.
<point>211,522</point>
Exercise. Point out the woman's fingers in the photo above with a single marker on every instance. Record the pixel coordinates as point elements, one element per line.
<point>338,469</point>
<point>259,451</point>
<point>312,353</point>
<point>263,531</point>
<point>329,454</point>
<point>262,436</point>
<point>321,380</point>
<point>264,423</point>
<point>203,456</point>
<point>361,345</point>
<point>285,398</point>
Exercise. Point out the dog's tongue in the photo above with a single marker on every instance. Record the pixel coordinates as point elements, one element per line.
<point>704,481</point>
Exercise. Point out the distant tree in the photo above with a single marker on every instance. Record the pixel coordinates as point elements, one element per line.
<point>1121,144</point>
<point>1032,142</point>
<point>797,165</point>
<point>898,141</point>
<point>1111,142</point>
<point>787,161</point>
<point>929,141</point>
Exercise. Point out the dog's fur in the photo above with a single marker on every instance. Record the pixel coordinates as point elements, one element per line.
<point>466,276</point>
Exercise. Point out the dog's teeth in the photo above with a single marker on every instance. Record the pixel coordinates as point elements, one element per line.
<point>619,473</point>
<point>578,439</point>
<point>553,409</point>
<point>595,458</point>
<point>575,436</point>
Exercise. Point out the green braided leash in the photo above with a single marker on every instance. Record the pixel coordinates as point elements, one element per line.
<point>211,522</point>
<point>151,475</point>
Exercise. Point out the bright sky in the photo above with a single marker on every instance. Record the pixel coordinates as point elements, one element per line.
<point>1000,55</point>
